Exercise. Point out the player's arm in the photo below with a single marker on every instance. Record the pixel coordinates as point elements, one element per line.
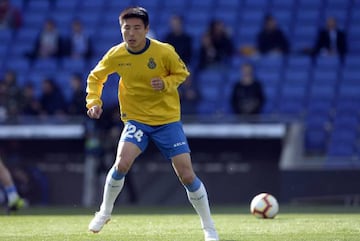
<point>95,83</point>
<point>177,69</point>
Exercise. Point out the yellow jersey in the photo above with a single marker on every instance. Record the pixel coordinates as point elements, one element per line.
<point>138,100</point>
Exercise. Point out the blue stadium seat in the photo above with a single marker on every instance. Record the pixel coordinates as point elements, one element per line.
<point>307,16</point>
<point>339,150</point>
<point>350,91</point>
<point>325,92</point>
<point>66,5</point>
<point>269,76</point>
<point>306,4</point>
<point>327,62</point>
<point>352,62</point>
<point>38,6</point>
<point>204,5</point>
<point>339,14</point>
<point>325,76</point>
<point>93,4</point>
<point>256,4</point>
<point>350,75</point>
<point>230,4</point>
<point>300,62</point>
<point>346,121</point>
<point>252,16</point>
<point>305,32</point>
<point>110,91</point>
<point>347,106</point>
<point>120,5</point>
<point>27,35</point>
<point>48,65</point>
<point>19,64</point>
<point>73,65</point>
<point>272,62</point>
<point>6,36</point>
<point>281,4</point>
<point>230,17</point>
<point>211,76</point>
<point>34,19</point>
<point>291,107</point>
<point>336,4</point>
<point>297,76</point>
<point>175,6</point>
<point>315,140</point>
<point>293,90</point>
<point>319,105</point>
<point>283,17</point>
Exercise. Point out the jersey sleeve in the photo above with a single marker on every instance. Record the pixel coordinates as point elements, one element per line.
<point>177,70</point>
<point>96,79</point>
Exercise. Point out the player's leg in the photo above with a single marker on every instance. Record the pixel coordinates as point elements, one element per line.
<point>196,192</point>
<point>13,198</point>
<point>171,140</point>
<point>129,148</point>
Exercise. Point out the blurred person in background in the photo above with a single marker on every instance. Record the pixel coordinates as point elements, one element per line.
<point>10,16</point>
<point>30,104</point>
<point>247,97</point>
<point>78,44</point>
<point>182,43</point>
<point>216,47</point>
<point>271,39</point>
<point>48,44</point>
<point>77,101</point>
<point>11,94</point>
<point>330,40</point>
<point>52,99</point>
<point>180,39</point>
<point>14,201</point>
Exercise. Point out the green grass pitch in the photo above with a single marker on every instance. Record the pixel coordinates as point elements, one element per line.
<point>182,224</point>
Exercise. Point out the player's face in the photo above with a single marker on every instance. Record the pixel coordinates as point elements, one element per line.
<point>134,33</point>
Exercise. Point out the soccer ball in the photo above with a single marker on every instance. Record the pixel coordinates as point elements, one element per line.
<point>264,205</point>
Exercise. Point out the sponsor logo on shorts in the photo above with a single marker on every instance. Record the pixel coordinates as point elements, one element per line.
<point>180,144</point>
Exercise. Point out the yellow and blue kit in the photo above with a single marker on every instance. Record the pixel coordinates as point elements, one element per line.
<point>138,100</point>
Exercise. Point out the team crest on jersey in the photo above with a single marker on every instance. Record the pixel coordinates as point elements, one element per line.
<point>151,64</point>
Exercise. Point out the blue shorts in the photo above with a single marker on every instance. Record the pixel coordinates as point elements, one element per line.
<point>169,138</point>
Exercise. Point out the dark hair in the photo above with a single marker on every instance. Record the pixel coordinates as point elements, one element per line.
<point>135,12</point>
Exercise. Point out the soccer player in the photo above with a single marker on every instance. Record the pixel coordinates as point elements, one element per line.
<point>14,201</point>
<point>151,72</point>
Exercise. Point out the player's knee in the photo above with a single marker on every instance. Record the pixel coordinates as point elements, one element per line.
<point>187,177</point>
<point>123,166</point>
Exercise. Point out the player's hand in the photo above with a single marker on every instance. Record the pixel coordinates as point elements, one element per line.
<point>95,112</point>
<point>157,84</point>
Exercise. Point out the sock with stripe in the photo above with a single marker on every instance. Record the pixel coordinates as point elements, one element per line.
<point>113,186</point>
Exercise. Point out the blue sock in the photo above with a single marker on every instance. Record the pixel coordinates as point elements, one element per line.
<point>194,186</point>
<point>117,175</point>
<point>11,189</point>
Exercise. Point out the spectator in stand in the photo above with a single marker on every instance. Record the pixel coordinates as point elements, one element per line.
<point>178,38</point>
<point>10,16</point>
<point>331,40</point>
<point>31,105</point>
<point>271,39</point>
<point>48,43</point>
<point>247,96</point>
<point>52,99</point>
<point>216,46</point>
<point>77,101</point>
<point>182,43</point>
<point>11,94</point>
<point>78,44</point>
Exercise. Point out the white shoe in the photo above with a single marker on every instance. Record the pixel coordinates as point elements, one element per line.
<point>211,234</point>
<point>98,222</point>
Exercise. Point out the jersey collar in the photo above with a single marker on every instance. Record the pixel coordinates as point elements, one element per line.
<point>147,44</point>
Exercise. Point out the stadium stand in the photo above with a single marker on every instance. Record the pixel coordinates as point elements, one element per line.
<point>323,94</point>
